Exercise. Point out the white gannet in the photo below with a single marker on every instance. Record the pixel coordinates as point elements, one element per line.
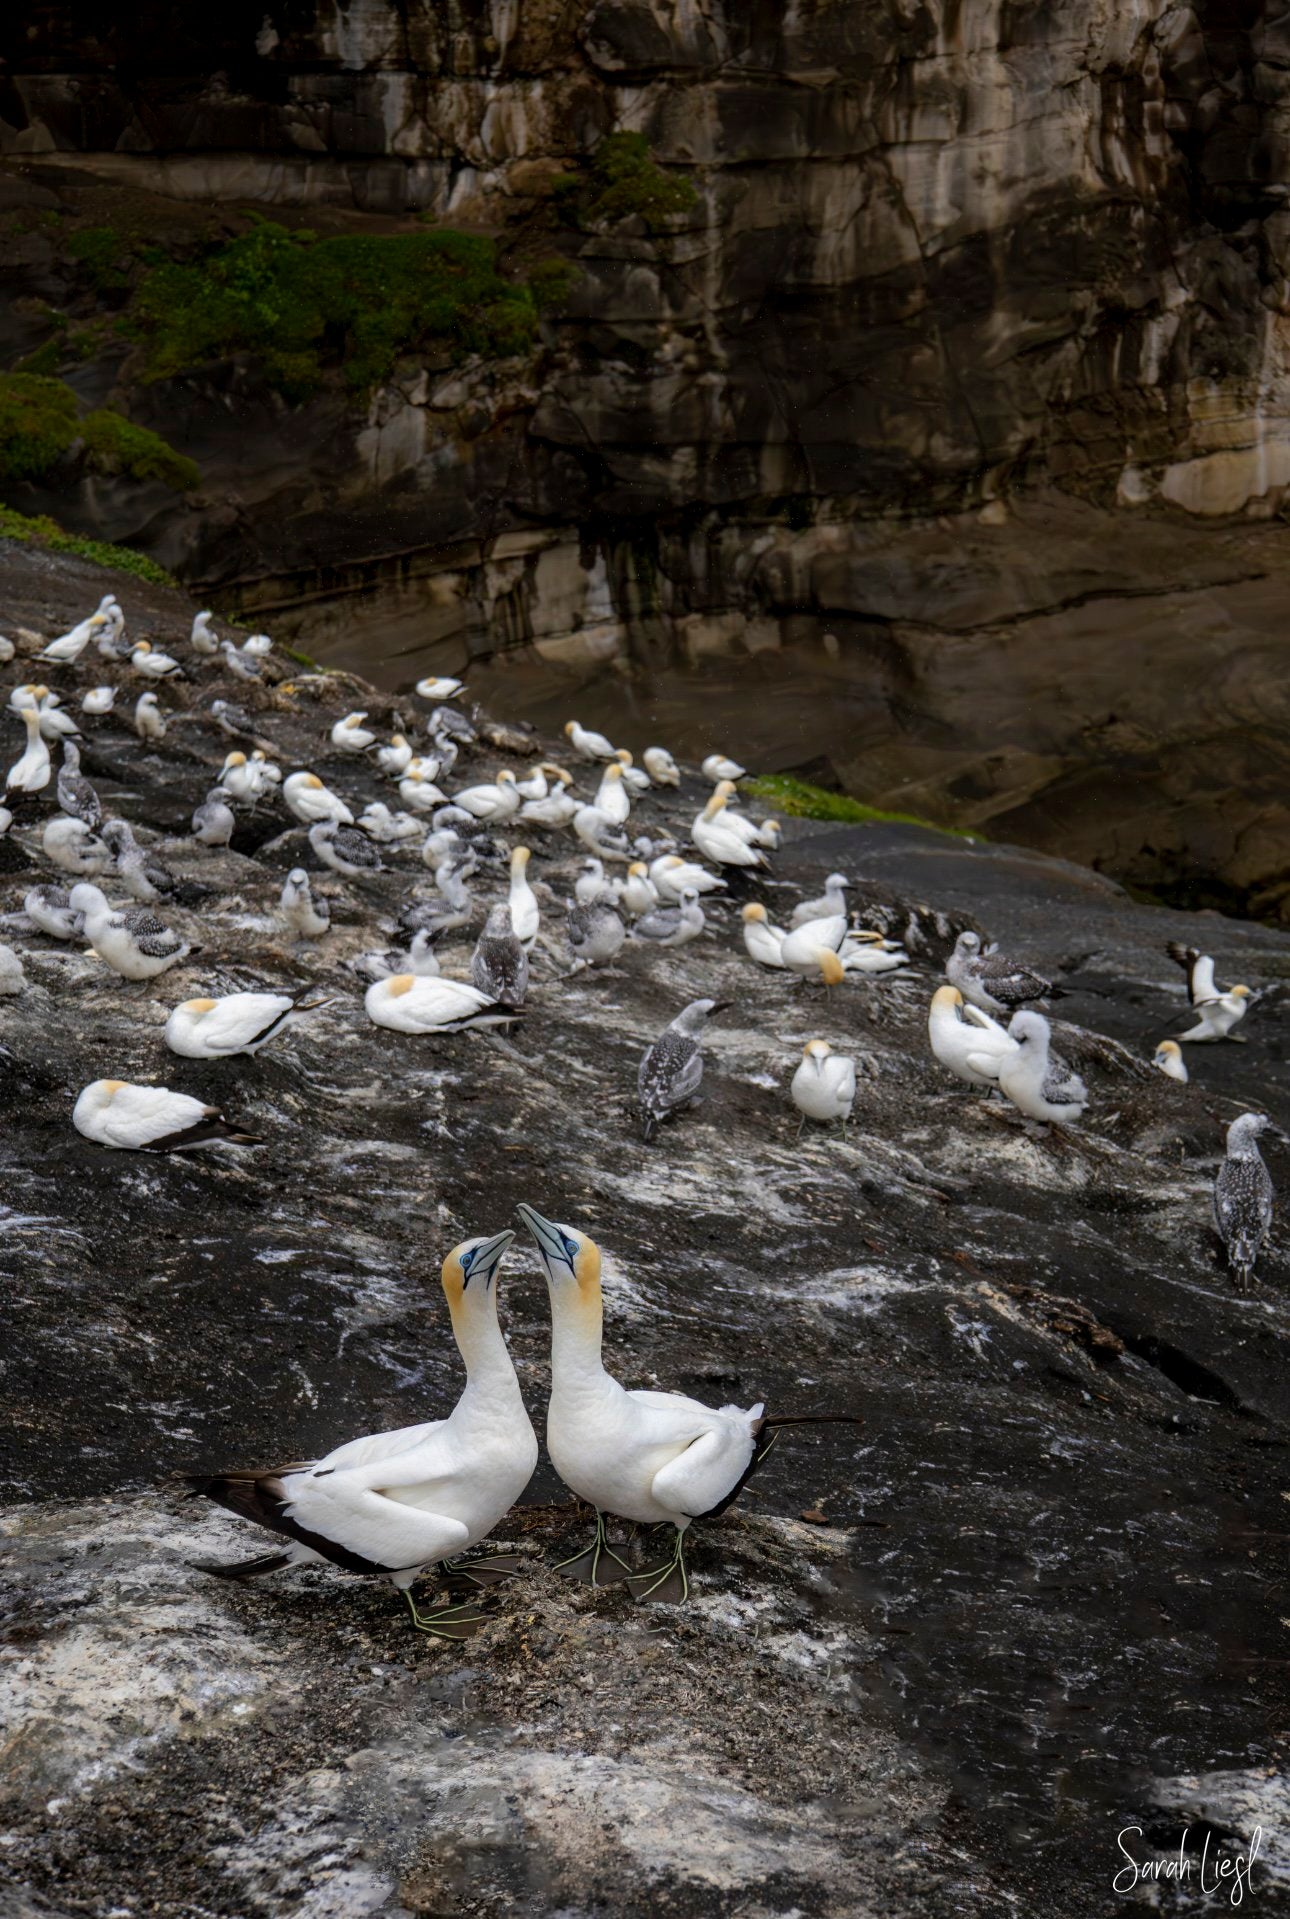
<point>1243,1197</point>
<point>587,745</point>
<point>536,786</point>
<point>824,1085</point>
<point>499,965</point>
<point>256,646</point>
<point>595,933</point>
<point>393,1504</point>
<point>419,792</point>
<point>29,773</point>
<point>50,910</point>
<point>73,847</point>
<point>833,900</point>
<point>241,664</point>
<point>600,835</point>
<point>308,918</point>
<point>593,883</point>
<point>76,796</point>
<point>440,689</point>
<point>612,796</point>
<point>201,638</point>
<point>311,801</point>
<point>1168,1057</point>
<point>718,767</point>
<point>345,850</point>
<point>1219,1011</point>
<point>1038,1082</point>
<point>413,1003</point>
<point>238,1023</point>
<point>671,1071</point>
<point>70,645</point>
<point>111,639</point>
<point>12,977</point>
<point>458,907</point>
<point>131,940</point>
<point>99,700</point>
<point>213,820</point>
<point>638,894</point>
<point>55,724</point>
<point>241,780</point>
<point>149,721</point>
<point>863,952</point>
<point>559,806</point>
<point>763,941</point>
<point>151,1119</point>
<point>769,834</point>
<point>801,946</point>
<point>991,981</point>
<point>269,774</point>
<point>644,1456</point>
<point>660,766</point>
<point>966,1040</point>
<point>386,828</point>
<point>525,916</point>
<point>739,823</point>
<point>717,839</point>
<point>395,758</point>
<point>493,802</point>
<point>146,877</point>
<point>153,665</point>
<point>25,695</point>
<point>633,777</point>
<point>351,736</point>
<point>672,925</point>
<point>671,875</point>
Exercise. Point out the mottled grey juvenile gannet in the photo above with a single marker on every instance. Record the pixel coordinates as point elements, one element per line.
<point>76,795</point>
<point>345,850</point>
<point>1243,1197</point>
<point>131,940</point>
<point>966,1040</point>
<point>672,925</point>
<point>241,664</point>
<point>151,1119</point>
<point>73,848</point>
<point>499,965</point>
<point>595,933</point>
<point>1219,1011</point>
<point>1168,1057</point>
<point>824,1085</point>
<point>672,1070</point>
<point>1038,1082</point>
<point>237,1023</point>
<point>413,1003</point>
<point>146,877</point>
<point>993,982</point>
<point>308,918</point>
<point>213,820</point>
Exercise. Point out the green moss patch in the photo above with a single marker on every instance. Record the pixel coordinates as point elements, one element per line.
<point>804,801</point>
<point>115,445</point>
<point>37,424</point>
<point>623,181</point>
<point>47,533</point>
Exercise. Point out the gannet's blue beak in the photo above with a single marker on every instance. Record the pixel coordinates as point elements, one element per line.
<point>483,1260</point>
<point>553,1245</point>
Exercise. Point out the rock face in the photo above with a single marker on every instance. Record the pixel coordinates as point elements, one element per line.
<point>932,1669</point>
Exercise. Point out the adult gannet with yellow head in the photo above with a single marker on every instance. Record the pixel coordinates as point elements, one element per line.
<point>1219,1011</point>
<point>652,1458</point>
<point>392,1504</point>
<point>311,800</point>
<point>717,838</point>
<point>237,1023</point>
<point>967,1041</point>
<point>419,1003</point>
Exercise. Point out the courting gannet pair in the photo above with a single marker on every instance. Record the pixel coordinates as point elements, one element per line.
<point>1020,1061</point>
<point>69,646</point>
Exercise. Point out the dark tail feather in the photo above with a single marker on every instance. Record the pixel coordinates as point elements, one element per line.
<point>243,1568</point>
<point>765,1433</point>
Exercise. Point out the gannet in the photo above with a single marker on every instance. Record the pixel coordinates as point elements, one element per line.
<point>499,965</point>
<point>828,968</point>
<point>146,877</point>
<point>632,775</point>
<point>241,664</point>
<point>12,978</point>
<point>587,745</point>
<point>557,809</point>
<point>1243,1197</point>
<point>420,958</point>
<point>22,696</point>
<point>70,645</point>
<point>131,940</point>
<point>660,766</point>
<point>1038,1082</point>
<point>525,916</point>
<point>72,847</point>
<point>824,1085</point>
<point>419,792</point>
<point>671,875</point>
<point>458,908</point>
<point>213,820</point>
<point>238,1023</point>
<point>801,946</point>
<point>257,646</point>
<point>396,757</point>
<point>769,834</point>
<point>111,639</point>
<point>311,801</point>
<point>494,802</point>
<point>1168,1057</point>
<point>536,786</point>
<point>833,901</point>
<point>595,933</point>
<point>966,1040</point>
<point>718,767</point>
<point>592,883</point>
<point>387,828</point>
<point>54,723</point>
<point>672,1070</point>
<point>152,664</point>
<point>600,835</point>
<point>308,918</point>
<point>50,910</point>
<point>201,638</point>
<point>412,1003</point>
<point>747,830</point>
<point>718,840</point>
<point>448,722</point>
<point>1219,1012</point>
<point>267,772</point>
<point>76,796</point>
<point>991,981</point>
<point>612,797</point>
<point>151,1119</point>
<point>29,773</point>
<point>638,894</point>
<point>241,780</point>
<point>647,1457</point>
<point>149,721</point>
<point>763,941</point>
<point>862,952</point>
<point>672,925</point>
<point>440,689</point>
<point>351,736</point>
<point>393,1504</point>
<point>345,850</point>
<point>99,700</point>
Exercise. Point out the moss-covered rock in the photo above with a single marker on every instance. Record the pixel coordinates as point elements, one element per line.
<point>114,444</point>
<point>37,424</point>
<point>624,181</point>
<point>43,532</point>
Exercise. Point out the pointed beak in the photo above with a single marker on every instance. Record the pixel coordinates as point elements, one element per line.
<point>488,1258</point>
<point>719,1006</point>
<point>546,1237</point>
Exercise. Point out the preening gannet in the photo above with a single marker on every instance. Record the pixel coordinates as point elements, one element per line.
<point>671,1072</point>
<point>50,910</point>
<point>393,1504</point>
<point>993,982</point>
<point>70,645</point>
<point>149,720</point>
<point>672,925</point>
<point>824,1085</point>
<point>311,801</point>
<point>238,1023</point>
<point>588,745</point>
<point>525,916</point>
<point>648,1457</point>
<point>833,900</point>
<point>308,918</point>
<point>718,767</point>
<point>1219,1011</point>
<point>345,850</point>
<point>499,965</point>
<point>76,796</point>
<point>660,766</point>
<point>73,848</point>
<point>717,839</point>
<point>350,735</point>
<point>153,664</point>
<point>1168,1057</point>
<point>1243,1197</point>
<point>201,638</point>
<point>395,758</point>
<point>99,700</point>
<point>151,1119</point>
<point>966,1040</point>
<point>440,689</point>
<point>29,773</point>
<point>413,1003</point>
<point>595,933</point>
<point>1038,1082</point>
<point>763,941</point>
<point>612,797</point>
<point>131,940</point>
<point>494,802</point>
<point>213,820</point>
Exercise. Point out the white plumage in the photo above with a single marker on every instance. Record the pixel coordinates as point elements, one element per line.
<point>413,1003</point>
<point>824,1085</point>
<point>237,1023</point>
<point>310,800</point>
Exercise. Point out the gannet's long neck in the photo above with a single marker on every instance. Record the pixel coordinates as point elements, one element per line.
<point>577,1331</point>
<point>490,1375</point>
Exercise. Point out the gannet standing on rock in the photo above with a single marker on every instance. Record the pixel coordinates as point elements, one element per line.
<point>133,942</point>
<point>1038,1082</point>
<point>717,839</point>
<point>993,982</point>
<point>73,848</point>
<point>493,802</point>
<point>824,1085</point>
<point>595,933</point>
<point>1168,1057</point>
<point>238,1023</point>
<point>76,796</point>
<point>661,767</point>
<point>213,820</point>
<point>499,965</point>
<point>672,925</point>
<point>525,916</point>
<point>345,850</point>
<point>144,875</point>
<point>414,1003</point>
<point>308,918</point>
<point>350,735</point>
<point>70,645</point>
<point>201,638</point>
<point>393,1504</point>
<point>833,900</point>
<point>718,767</point>
<point>311,801</point>
<point>671,1072</point>
<point>1243,1197</point>
<point>648,1457</point>
<point>966,1040</point>
<point>612,797</point>
<point>763,941</point>
<point>149,721</point>
<point>600,835</point>
<point>1219,1012</point>
<point>588,745</point>
<point>151,1119</point>
<point>30,772</point>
